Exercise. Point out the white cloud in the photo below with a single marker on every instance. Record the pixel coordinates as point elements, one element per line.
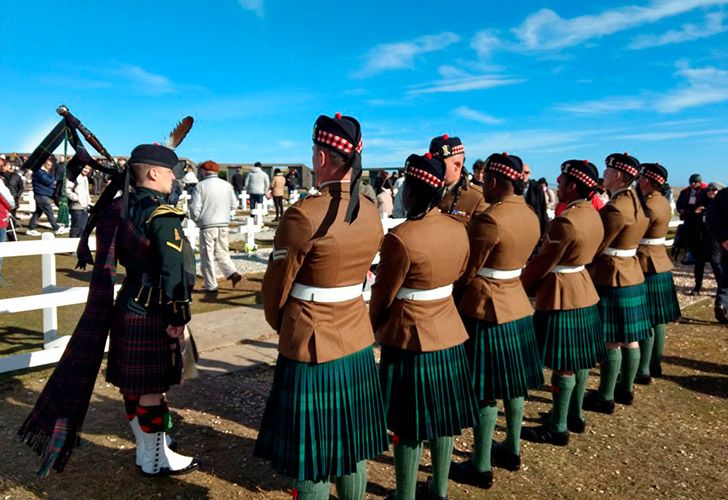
<point>253,5</point>
<point>599,106</point>
<point>142,80</point>
<point>713,25</point>
<point>700,86</point>
<point>401,55</point>
<point>704,86</point>
<point>546,30</point>
<point>672,135</point>
<point>464,84</point>
<point>485,43</point>
<point>476,116</point>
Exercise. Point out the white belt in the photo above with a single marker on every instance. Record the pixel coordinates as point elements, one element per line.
<point>318,294</point>
<point>567,269</point>
<point>652,241</point>
<point>620,252</point>
<point>499,274</point>
<point>433,294</point>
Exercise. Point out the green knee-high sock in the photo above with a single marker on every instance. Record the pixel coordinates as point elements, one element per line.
<point>656,361</point>
<point>646,346</point>
<point>441,449</point>
<point>562,397</point>
<point>483,434</point>
<point>407,456</point>
<point>630,363</point>
<point>577,395</point>
<point>353,486</point>
<point>608,373</point>
<point>310,490</point>
<point>514,420</point>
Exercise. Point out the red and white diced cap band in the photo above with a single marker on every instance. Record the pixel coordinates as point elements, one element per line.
<point>337,142</point>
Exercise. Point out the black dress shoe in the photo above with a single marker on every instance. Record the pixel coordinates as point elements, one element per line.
<point>643,379</point>
<point>427,492</point>
<point>593,401</point>
<point>545,434</point>
<point>465,473</point>
<point>623,397</point>
<point>235,279</point>
<point>504,458</point>
<point>575,424</point>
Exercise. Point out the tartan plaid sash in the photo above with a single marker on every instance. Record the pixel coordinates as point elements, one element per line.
<point>53,426</point>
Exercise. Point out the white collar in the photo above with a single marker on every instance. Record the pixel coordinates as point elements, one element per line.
<point>619,191</point>
<point>333,182</point>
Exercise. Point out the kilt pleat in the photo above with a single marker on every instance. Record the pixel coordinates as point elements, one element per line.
<point>570,340</point>
<point>662,298</point>
<point>504,359</point>
<point>321,419</point>
<point>140,352</point>
<point>427,394</point>
<point>624,313</point>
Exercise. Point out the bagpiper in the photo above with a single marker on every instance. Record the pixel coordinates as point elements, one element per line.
<point>463,200</point>
<point>617,274</point>
<point>502,348</point>
<point>657,268</point>
<point>143,232</point>
<point>324,416</point>
<point>424,372</point>
<point>567,322</point>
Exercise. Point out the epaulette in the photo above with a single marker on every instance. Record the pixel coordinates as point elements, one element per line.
<point>166,211</point>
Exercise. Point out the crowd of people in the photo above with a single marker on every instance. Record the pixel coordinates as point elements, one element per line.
<point>475,293</point>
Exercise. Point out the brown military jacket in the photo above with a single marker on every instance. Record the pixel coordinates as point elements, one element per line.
<point>571,239</point>
<point>421,254</point>
<point>625,224</point>
<point>314,246</point>
<point>502,237</point>
<point>470,203</point>
<point>654,258</point>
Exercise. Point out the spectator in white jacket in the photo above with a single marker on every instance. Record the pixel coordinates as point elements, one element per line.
<point>79,200</point>
<point>210,208</point>
<point>256,185</point>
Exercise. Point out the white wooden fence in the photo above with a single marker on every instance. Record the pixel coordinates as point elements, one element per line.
<point>51,298</point>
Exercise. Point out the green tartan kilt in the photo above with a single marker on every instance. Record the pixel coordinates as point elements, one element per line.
<point>662,298</point>
<point>427,394</point>
<point>570,340</point>
<point>321,419</point>
<point>624,312</point>
<point>504,358</point>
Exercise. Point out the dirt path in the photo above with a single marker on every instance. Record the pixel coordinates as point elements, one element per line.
<point>671,444</point>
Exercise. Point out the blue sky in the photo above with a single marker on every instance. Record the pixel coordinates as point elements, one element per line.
<point>548,81</point>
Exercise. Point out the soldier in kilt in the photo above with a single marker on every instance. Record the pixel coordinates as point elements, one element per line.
<point>567,322</point>
<point>462,200</point>
<point>617,274</point>
<point>424,372</point>
<point>502,348</point>
<point>324,416</point>
<point>143,232</point>
<point>657,268</point>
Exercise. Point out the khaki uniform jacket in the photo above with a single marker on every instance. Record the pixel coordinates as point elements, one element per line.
<point>470,203</point>
<point>625,224</point>
<point>314,246</point>
<point>421,254</point>
<point>654,258</point>
<point>571,239</point>
<point>502,237</point>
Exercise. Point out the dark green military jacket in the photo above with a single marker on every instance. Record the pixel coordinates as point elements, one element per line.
<point>165,275</point>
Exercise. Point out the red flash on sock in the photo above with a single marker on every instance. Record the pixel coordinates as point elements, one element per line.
<point>294,493</point>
